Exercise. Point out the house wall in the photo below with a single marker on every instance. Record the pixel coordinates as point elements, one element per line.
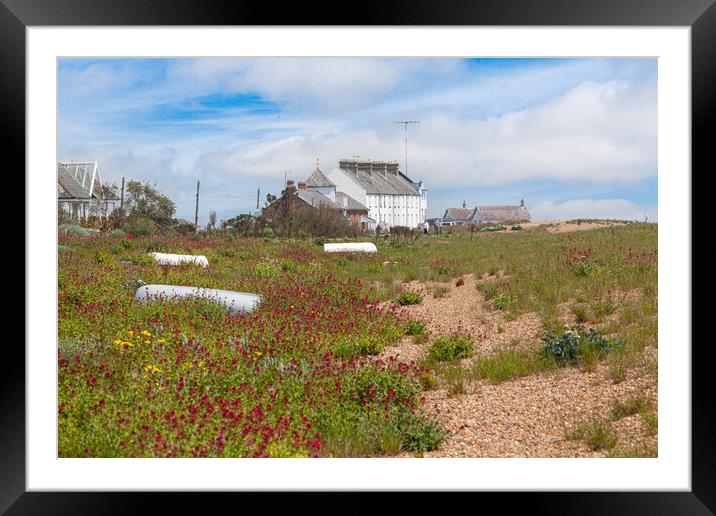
<point>395,210</point>
<point>328,191</point>
<point>385,209</point>
<point>345,184</point>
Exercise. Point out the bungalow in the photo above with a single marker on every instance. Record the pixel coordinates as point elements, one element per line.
<point>80,192</point>
<point>485,214</point>
<point>458,216</point>
<point>498,214</point>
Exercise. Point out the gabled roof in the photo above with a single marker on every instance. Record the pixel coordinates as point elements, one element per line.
<point>380,183</point>
<point>79,180</point>
<point>315,199</point>
<point>500,213</point>
<point>70,187</point>
<point>460,213</point>
<point>350,202</point>
<point>318,179</point>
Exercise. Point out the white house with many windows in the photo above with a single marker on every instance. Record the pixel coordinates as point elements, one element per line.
<point>391,197</point>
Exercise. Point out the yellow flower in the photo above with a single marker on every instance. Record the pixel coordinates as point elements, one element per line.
<point>145,332</point>
<point>131,332</point>
<point>147,341</point>
<point>162,341</point>
<point>118,341</point>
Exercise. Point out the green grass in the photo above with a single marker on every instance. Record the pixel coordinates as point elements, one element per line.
<point>510,364</point>
<point>596,433</point>
<point>633,405</point>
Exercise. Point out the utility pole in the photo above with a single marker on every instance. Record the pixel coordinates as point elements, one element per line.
<point>196,211</point>
<point>121,200</point>
<point>258,195</point>
<point>405,123</point>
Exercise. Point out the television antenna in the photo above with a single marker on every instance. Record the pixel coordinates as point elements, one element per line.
<point>405,123</point>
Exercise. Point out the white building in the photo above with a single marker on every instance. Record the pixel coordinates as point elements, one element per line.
<point>80,193</point>
<point>391,197</point>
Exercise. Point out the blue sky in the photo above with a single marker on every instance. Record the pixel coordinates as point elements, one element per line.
<point>573,137</point>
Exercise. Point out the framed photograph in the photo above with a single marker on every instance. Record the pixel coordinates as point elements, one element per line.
<point>436,250</point>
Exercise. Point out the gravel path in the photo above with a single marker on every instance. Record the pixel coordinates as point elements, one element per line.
<point>526,417</point>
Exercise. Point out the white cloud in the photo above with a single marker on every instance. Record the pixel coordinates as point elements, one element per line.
<point>593,209</point>
<point>596,133</point>
<point>333,83</point>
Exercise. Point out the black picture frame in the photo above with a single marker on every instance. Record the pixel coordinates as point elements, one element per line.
<point>16,15</point>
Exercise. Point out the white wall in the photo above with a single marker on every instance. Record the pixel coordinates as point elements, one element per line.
<point>346,185</point>
<point>390,210</point>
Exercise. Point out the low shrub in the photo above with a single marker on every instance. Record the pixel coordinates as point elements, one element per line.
<point>451,347</point>
<point>504,301</point>
<point>427,380</point>
<point>353,345</point>
<point>629,407</point>
<point>498,227</point>
<point>268,270</point>
<point>101,257</point>
<point>421,434</point>
<point>597,434</point>
<point>142,226</point>
<point>156,247</point>
<point>414,328</point>
<point>408,297</point>
<point>574,343</point>
<point>440,291</point>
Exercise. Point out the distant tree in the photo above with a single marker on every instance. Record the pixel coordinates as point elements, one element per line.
<point>290,216</point>
<point>110,191</point>
<point>243,224</point>
<point>212,221</point>
<point>144,201</point>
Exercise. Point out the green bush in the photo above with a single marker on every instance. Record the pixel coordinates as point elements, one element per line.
<point>498,227</point>
<point>572,345</point>
<point>408,297</point>
<point>451,347</point>
<point>143,259</point>
<point>101,257</point>
<point>414,328</point>
<point>157,247</point>
<point>586,268</point>
<point>348,346</point>
<point>421,434</point>
<point>142,226</point>
<point>268,269</point>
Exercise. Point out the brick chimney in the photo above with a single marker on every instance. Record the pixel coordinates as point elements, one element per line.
<point>464,204</point>
<point>302,185</point>
<point>289,183</point>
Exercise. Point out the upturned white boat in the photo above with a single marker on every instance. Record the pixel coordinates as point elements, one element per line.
<point>177,259</point>
<point>234,302</point>
<point>350,247</point>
